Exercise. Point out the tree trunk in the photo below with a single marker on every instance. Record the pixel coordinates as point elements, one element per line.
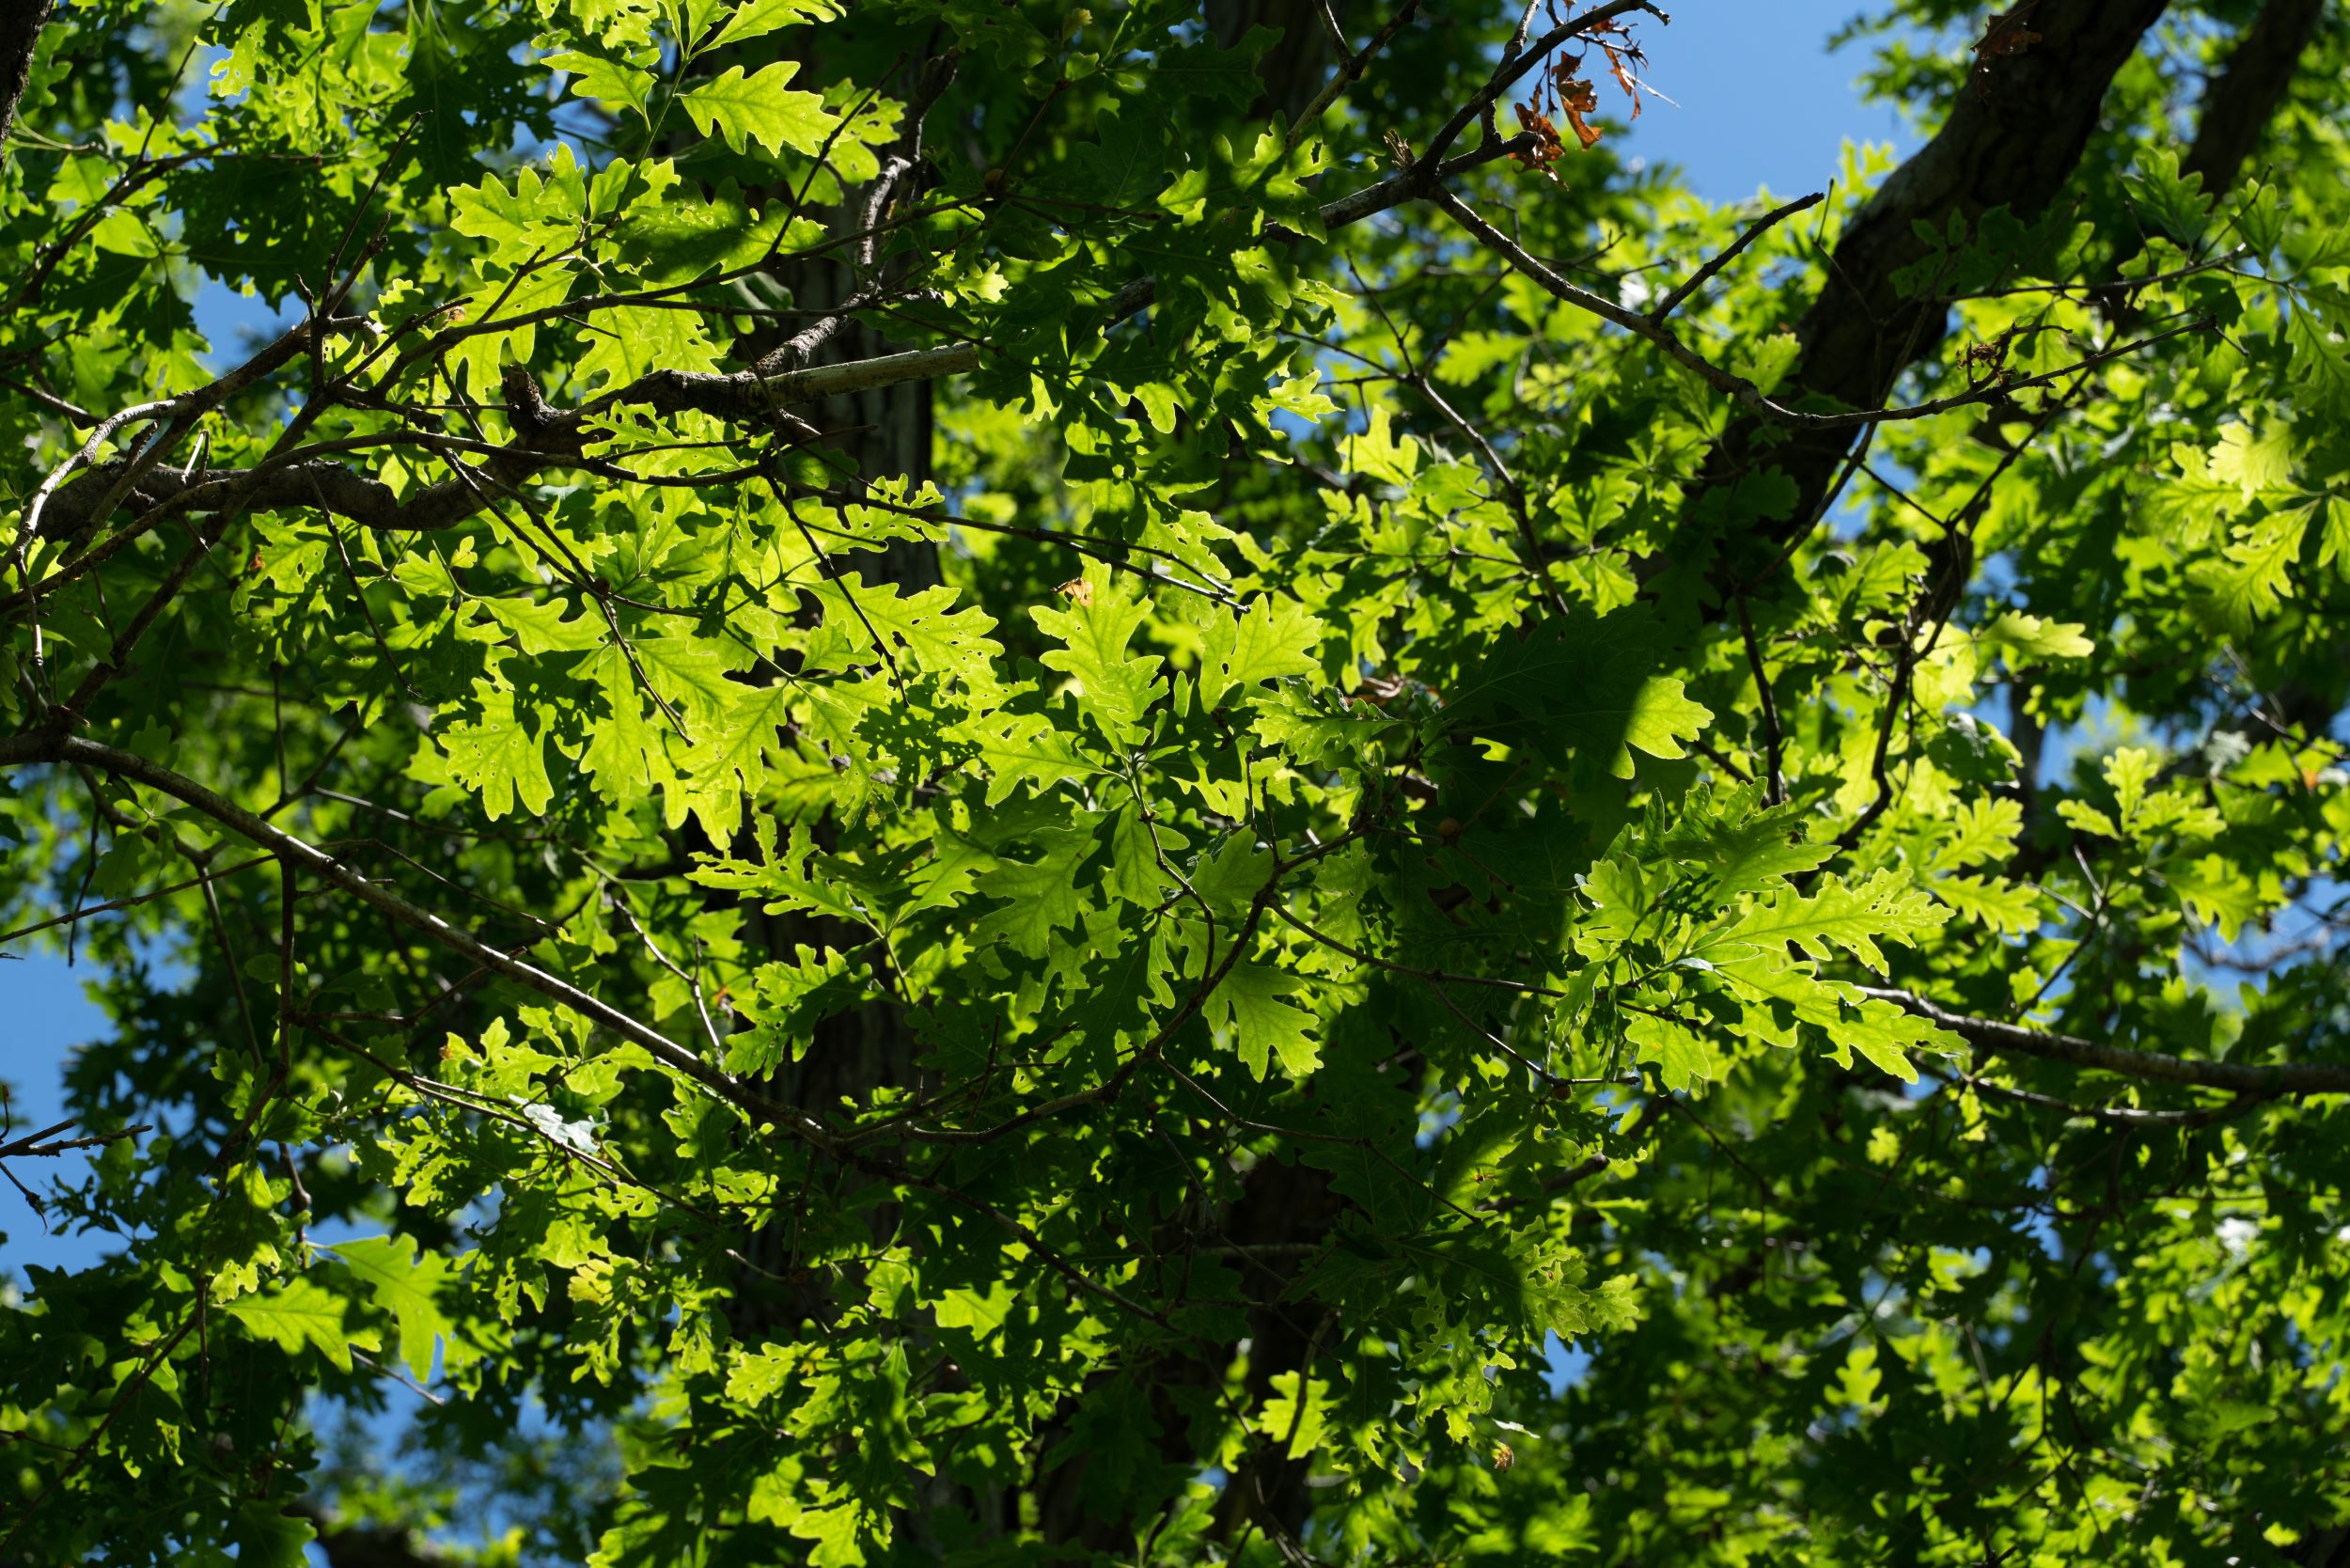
<point>882,432</point>
<point>2014,139</point>
<point>2246,94</point>
<point>20,34</point>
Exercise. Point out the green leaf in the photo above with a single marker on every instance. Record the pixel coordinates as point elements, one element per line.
<point>688,674</point>
<point>1742,850</point>
<point>1378,454</point>
<point>2255,576</point>
<point>757,18</point>
<point>1295,1421</point>
<point>2255,463</point>
<point>787,1002</point>
<point>2194,504</point>
<point>297,1316</point>
<point>1112,690</point>
<point>2088,818</point>
<point>1994,901</point>
<point>1846,916</point>
<point>521,221</point>
<point>410,1287</point>
<point>759,108</point>
<point>2320,358</point>
<point>2131,770</point>
<point>499,755</point>
<point>1140,852</point>
<point>1984,830</point>
<point>2021,639</point>
<point>630,342</point>
<point>623,752</point>
<point>1683,1058</point>
<point>269,1537</point>
<point>1886,1033</point>
<point>920,630</point>
<point>676,235</point>
<point>1274,639</point>
<point>539,628</point>
<point>2218,891</point>
<point>1041,896</point>
<point>2332,518</point>
<point>1252,1001</point>
<point>613,84</point>
<point>1022,748</point>
<point>1587,686</point>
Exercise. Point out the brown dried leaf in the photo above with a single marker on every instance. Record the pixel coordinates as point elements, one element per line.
<point>2009,35</point>
<point>1577,98</point>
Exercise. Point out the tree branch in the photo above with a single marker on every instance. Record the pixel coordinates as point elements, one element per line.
<point>49,746</point>
<point>1738,388</point>
<point>1516,65</point>
<point>548,437</point>
<point>51,1142</point>
<point>2236,1077</point>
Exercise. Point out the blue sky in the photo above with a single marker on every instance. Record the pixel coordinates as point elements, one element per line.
<point>1760,103</point>
<point>1761,100</point>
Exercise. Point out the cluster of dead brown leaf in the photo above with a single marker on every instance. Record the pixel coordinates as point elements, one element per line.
<point>1561,88</point>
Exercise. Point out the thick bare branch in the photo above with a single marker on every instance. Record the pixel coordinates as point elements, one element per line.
<point>549,438</point>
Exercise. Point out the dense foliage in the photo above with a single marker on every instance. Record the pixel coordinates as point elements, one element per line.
<point>974,781</point>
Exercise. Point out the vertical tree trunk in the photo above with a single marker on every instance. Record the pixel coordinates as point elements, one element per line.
<point>2248,92</point>
<point>1282,1202</point>
<point>880,432</point>
<point>20,21</point>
